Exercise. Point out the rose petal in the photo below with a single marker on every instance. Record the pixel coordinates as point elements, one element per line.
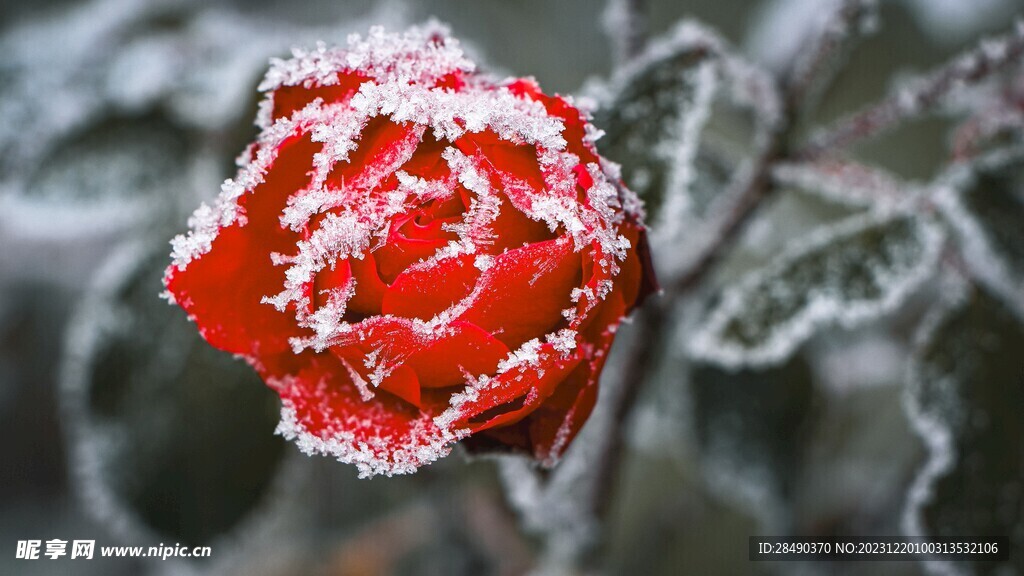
<point>399,252</point>
<point>383,146</point>
<point>330,279</point>
<point>404,383</point>
<point>369,287</point>
<point>467,350</point>
<point>512,229</point>
<point>518,160</point>
<point>424,291</point>
<point>388,340</point>
<point>511,396</point>
<point>521,296</point>
<point>223,288</point>
<point>554,424</point>
<point>326,413</point>
<point>290,99</point>
<point>427,162</point>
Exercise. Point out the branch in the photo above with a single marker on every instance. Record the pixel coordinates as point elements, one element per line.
<point>921,96</point>
<point>730,228</point>
<point>812,73</point>
<point>650,325</point>
<point>625,23</point>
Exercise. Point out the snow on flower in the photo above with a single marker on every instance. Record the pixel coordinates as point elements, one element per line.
<point>414,253</point>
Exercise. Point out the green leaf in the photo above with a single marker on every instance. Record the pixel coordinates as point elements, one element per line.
<point>685,120</point>
<point>650,122</point>
<point>171,437</point>
<point>845,273</point>
<point>984,202</point>
<point>115,160</point>
<point>965,395</point>
<point>751,427</point>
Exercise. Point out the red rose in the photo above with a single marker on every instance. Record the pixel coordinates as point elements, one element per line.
<point>413,254</point>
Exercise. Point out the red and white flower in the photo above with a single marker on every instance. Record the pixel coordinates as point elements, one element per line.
<point>413,253</point>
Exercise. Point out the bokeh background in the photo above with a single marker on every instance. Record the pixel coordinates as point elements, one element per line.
<point>118,424</point>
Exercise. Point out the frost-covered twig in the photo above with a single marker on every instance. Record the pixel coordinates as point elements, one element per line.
<point>922,95</point>
<point>567,506</point>
<point>814,70</point>
<point>730,226</point>
<point>625,23</point>
<point>638,367</point>
<point>844,181</point>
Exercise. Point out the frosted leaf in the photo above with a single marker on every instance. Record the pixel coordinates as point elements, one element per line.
<point>115,163</point>
<point>750,428</point>
<point>135,371</point>
<point>984,203</point>
<point>687,121</point>
<point>126,118</point>
<point>847,273</point>
<point>963,398</point>
<point>48,93</point>
<point>866,358</point>
<point>653,111</point>
<point>652,122</point>
<point>108,176</point>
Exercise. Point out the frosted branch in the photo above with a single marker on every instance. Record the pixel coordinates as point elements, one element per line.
<point>811,74</point>
<point>625,23</point>
<point>845,182</point>
<point>567,506</point>
<point>922,95</point>
<point>730,225</point>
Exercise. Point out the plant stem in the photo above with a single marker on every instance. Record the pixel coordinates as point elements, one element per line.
<point>812,73</point>
<point>920,96</point>
<point>625,22</point>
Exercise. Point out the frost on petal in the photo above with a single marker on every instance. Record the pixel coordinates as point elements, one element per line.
<point>412,252</point>
<point>523,293</point>
<point>224,265</point>
<point>963,398</point>
<point>326,412</point>
<point>501,400</point>
<point>846,274</point>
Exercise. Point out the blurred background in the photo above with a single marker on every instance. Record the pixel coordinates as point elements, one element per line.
<point>118,424</point>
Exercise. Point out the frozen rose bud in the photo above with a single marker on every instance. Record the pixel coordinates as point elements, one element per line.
<point>413,253</point>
